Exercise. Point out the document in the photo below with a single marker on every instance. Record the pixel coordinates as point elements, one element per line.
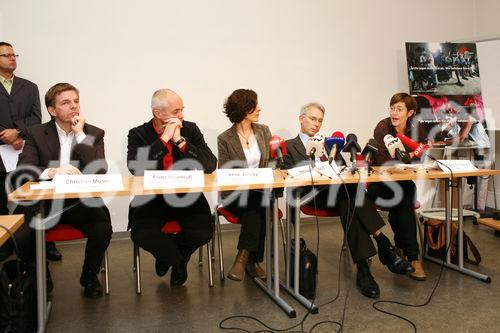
<point>9,156</point>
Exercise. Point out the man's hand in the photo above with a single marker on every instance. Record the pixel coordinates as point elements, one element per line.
<point>17,144</point>
<point>9,135</point>
<point>77,124</point>
<point>171,130</point>
<point>65,170</point>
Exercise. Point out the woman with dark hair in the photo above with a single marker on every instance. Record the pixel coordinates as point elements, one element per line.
<point>402,108</point>
<point>245,145</point>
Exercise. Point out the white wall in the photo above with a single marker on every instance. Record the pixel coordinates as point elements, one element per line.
<point>348,55</point>
<point>487,18</point>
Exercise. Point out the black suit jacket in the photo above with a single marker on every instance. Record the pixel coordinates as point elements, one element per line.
<point>42,150</point>
<point>20,109</point>
<point>296,154</point>
<point>145,150</point>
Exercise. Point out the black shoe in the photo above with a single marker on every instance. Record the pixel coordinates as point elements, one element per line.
<point>179,273</point>
<point>161,267</point>
<point>396,264</point>
<point>90,283</point>
<point>52,252</point>
<point>366,283</point>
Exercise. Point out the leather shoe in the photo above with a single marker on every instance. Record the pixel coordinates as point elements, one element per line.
<point>52,252</point>
<point>161,267</point>
<point>366,283</point>
<point>396,264</point>
<point>254,270</point>
<point>419,273</point>
<point>90,283</point>
<point>179,273</point>
<point>237,271</point>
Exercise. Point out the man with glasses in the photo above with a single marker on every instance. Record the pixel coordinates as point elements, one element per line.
<point>360,220</point>
<point>19,109</point>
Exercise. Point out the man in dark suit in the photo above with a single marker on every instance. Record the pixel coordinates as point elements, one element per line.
<point>167,142</point>
<point>365,220</point>
<point>68,145</point>
<point>19,109</point>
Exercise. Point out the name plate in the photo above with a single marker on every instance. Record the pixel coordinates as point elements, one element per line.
<point>245,176</point>
<point>456,165</point>
<point>168,179</point>
<point>320,169</point>
<point>88,183</point>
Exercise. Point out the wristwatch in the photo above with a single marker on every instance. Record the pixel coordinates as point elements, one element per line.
<point>178,142</point>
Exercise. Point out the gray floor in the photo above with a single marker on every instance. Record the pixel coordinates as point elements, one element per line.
<point>461,303</point>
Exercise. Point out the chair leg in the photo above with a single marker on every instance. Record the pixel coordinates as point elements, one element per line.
<point>200,255</point>
<point>137,268</point>
<point>209,260</point>
<point>283,236</point>
<point>106,273</point>
<point>219,241</point>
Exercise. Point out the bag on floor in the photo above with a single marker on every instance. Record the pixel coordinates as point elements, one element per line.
<point>308,270</point>
<point>435,241</point>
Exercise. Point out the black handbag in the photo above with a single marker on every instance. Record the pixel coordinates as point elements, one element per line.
<point>308,269</point>
<point>18,311</point>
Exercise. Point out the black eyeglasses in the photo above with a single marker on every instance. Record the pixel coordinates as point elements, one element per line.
<point>9,55</point>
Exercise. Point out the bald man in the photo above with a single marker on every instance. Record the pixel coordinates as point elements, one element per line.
<point>167,142</point>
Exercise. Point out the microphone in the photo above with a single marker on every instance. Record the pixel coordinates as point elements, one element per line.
<point>277,147</point>
<point>418,148</point>
<point>335,143</point>
<point>314,146</point>
<point>369,151</point>
<point>352,146</point>
<point>396,148</point>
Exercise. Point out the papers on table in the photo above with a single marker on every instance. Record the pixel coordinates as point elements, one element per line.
<point>456,165</point>
<point>320,169</point>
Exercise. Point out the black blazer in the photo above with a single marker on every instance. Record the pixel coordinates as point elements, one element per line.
<point>42,149</point>
<point>145,150</point>
<point>21,108</point>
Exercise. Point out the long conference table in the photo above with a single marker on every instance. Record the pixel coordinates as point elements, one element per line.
<point>134,185</point>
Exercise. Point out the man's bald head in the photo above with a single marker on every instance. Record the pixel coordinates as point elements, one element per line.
<point>166,103</point>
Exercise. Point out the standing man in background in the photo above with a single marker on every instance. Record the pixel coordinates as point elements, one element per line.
<point>19,109</point>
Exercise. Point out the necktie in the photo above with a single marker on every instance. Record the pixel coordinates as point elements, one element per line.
<point>8,85</point>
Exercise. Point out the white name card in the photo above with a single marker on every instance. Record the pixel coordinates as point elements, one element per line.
<point>167,179</point>
<point>245,176</point>
<point>456,165</point>
<point>320,169</point>
<point>88,183</point>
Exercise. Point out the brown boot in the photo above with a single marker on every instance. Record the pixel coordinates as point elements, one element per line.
<point>237,272</point>
<point>419,273</point>
<point>254,270</point>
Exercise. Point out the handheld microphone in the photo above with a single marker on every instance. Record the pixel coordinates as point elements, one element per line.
<point>352,146</point>
<point>277,147</point>
<point>335,143</point>
<point>418,148</point>
<point>396,148</point>
<point>369,151</point>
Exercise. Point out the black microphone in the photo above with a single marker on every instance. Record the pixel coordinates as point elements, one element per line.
<point>352,146</point>
<point>369,151</point>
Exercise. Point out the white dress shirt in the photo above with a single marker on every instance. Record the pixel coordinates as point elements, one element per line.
<point>65,141</point>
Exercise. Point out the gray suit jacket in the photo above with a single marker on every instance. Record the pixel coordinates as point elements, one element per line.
<point>20,109</point>
<point>230,148</point>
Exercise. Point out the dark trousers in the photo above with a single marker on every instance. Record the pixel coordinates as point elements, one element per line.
<point>252,214</point>
<point>401,214</point>
<point>3,194</point>
<point>361,220</point>
<point>94,222</point>
<point>146,221</point>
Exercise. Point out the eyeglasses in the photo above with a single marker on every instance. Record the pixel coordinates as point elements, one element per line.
<point>9,55</point>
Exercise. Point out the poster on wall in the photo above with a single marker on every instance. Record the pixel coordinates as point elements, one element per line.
<point>445,79</point>
<point>443,68</point>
